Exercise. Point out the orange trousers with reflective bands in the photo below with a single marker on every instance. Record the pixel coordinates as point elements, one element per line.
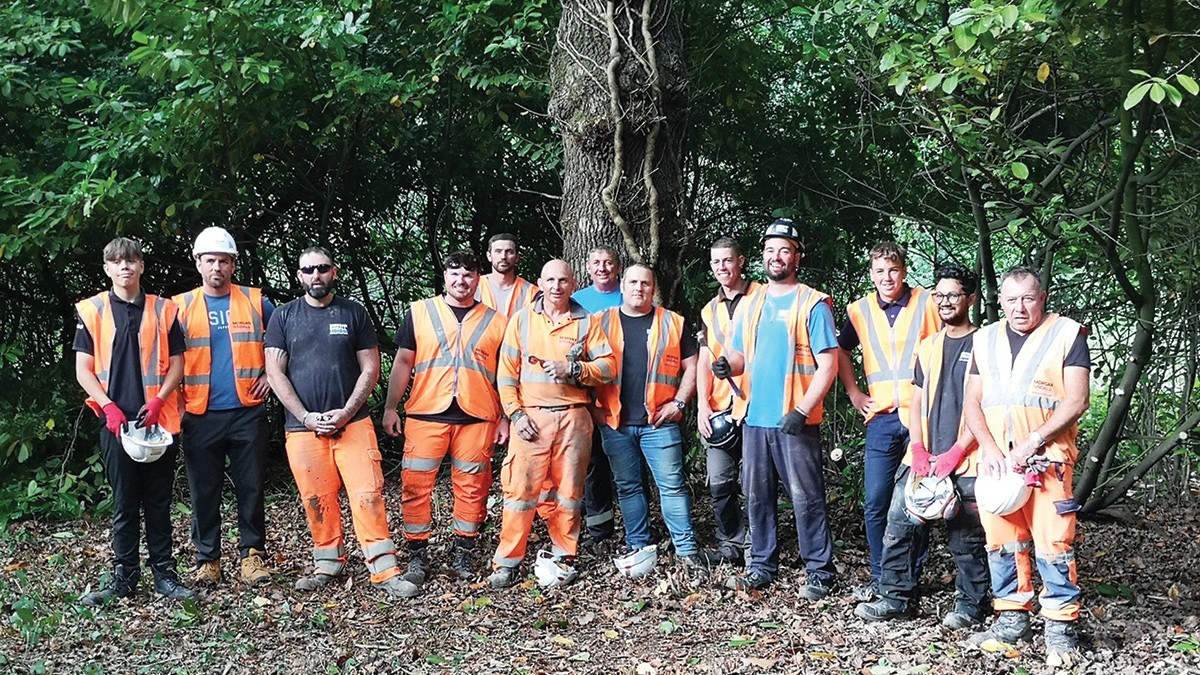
<point>321,466</point>
<point>470,447</point>
<point>556,460</point>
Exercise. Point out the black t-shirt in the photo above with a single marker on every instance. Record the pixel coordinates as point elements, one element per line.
<point>125,372</point>
<point>406,338</point>
<point>1077,356</point>
<point>947,409</point>
<point>635,360</point>
<point>322,345</point>
<point>730,303</point>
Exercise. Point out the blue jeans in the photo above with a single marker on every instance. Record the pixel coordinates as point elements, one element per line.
<point>886,441</point>
<point>663,450</point>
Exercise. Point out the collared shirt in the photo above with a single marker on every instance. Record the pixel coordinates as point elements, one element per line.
<point>848,339</point>
<point>730,303</point>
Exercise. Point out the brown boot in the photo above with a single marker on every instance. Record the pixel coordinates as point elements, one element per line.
<point>208,573</point>
<point>254,570</point>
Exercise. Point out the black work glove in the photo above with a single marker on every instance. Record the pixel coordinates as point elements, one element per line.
<point>793,423</point>
<point>722,369</point>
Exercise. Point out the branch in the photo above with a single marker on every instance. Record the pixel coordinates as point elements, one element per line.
<point>614,104</point>
<point>1164,448</point>
<point>652,136</point>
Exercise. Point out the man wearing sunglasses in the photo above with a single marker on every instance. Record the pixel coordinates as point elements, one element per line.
<point>323,363</point>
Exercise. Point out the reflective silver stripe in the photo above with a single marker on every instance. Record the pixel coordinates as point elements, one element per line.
<point>102,376</point>
<point>606,325</point>
<point>509,350</point>
<point>329,553</point>
<point>465,527</point>
<point>718,334</point>
<point>379,548</point>
<point>605,370</point>
<point>439,330</point>
<point>256,327</point>
<point>247,373</point>
<point>873,337</point>
<point>195,380</point>
<point>657,352</point>
<point>669,380</point>
<point>468,351</point>
<point>421,463</point>
<point>573,504</point>
<point>1019,597</point>
<point>1063,558</point>
<point>247,337</point>
<point>1016,546</point>
<point>469,467</point>
<point>559,552</point>
<point>533,375</point>
<point>506,381</point>
<point>890,375</point>
<point>519,504</point>
<point>1018,393</point>
<point>196,342</point>
<point>803,369</point>
<point>152,378</point>
<point>506,562</point>
<point>381,564</point>
<point>599,518</point>
<point>548,496</point>
<point>417,528</point>
<point>331,567</point>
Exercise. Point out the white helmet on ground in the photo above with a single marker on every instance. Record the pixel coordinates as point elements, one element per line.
<point>929,498</point>
<point>552,572</point>
<point>145,444</point>
<point>214,240</point>
<point>1003,494</point>
<point>637,563</point>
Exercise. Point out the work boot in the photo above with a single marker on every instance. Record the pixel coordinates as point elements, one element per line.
<point>463,566</point>
<point>254,570</point>
<point>960,620</point>
<point>866,592</point>
<point>418,566</point>
<point>700,560</point>
<point>1060,643</point>
<point>1010,628</point>
<point>883,609</point>
<point>313,581</point>
<point>397,587</point>
<point>816,589</point>
<point>208,573</point>
<point>122,585</point>
<point>503,577</point>
<point>730,554</point>
<point>168,585</point>
<point>751,579</point>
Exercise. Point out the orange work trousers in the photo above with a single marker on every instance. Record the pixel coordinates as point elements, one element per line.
<point>545,476</point>
<point>321,466</point>
<point>1044,527</point>
<point>470,447</point>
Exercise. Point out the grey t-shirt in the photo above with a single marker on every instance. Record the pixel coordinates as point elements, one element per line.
<point>948,399</point>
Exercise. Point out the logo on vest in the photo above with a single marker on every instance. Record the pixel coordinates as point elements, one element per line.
<point>339,329</point>
<point>671,361</point>
<point>1042,388</point>
<point>241,326</point>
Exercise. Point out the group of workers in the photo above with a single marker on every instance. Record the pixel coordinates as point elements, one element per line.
<point>587,388</point>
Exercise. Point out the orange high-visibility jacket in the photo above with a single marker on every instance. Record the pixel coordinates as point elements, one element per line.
<point>458,363</point>
<point>521,295</point>
<point>930,356</point>
<point>717,329</point>
<point>803,365</point>
<point>246,334</point>
<point>889,352</point>
<point>153,346</point>
<point>1018,397</point>
<point>664,369</point>
<point>532,338</point>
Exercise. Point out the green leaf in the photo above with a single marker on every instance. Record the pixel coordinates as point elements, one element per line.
<point>1136,95</point>
<point>1188,83</point>
<point>963,39</point>
<point>171,211</point>
<point>1020,170</point>
<point>436,660</point>
<point>581,656</point>
<point>1157,93</point>
<point>950,83</point>
<point>921,5</point>
<point>1174,94</point>
<point>1107,590</point>
<point>934,81</point>
<point>1009,14</point>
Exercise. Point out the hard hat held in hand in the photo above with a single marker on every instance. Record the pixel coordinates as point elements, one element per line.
<point>637,563</point>
<point>145,444</point>
<point>1003,494</point>
<point>724,434</point>
<point>929,498</point>
<point>214,240</point>
<point>551,572</point>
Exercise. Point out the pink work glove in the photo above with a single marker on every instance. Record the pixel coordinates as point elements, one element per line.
<point>113,418</point>
<point>920,459</point>
<point>149,412</point>
<point>947,461</point>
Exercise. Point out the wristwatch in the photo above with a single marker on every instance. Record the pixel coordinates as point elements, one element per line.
<point>1037,440</point>
<point>679,404</point>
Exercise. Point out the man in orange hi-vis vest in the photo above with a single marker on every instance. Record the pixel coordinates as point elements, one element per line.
<point>502,289</point>
<point>129,360</point>
<point>714,395</point>
<point>553,352</point>
<point>323,362</point>
<point>224,385</point>
<point>447,346</point>
<point>1027,390</point>
<point>889,324</point>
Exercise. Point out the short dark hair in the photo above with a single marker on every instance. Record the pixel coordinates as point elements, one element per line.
<point>642,266</point>
<point>464,259</point>
<point>605,248</point>
<point>319,250</point>
<point>1022,272</point>
<point>965,277</point>
<point>890,250</point>
<point>729,243</point>
<point>122,248</point>
<point>503,236</point>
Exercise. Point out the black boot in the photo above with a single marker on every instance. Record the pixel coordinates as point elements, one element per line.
<point>167,583</point>
<point>463,566</point>
<point>418,566</point>
<point>123,584</point>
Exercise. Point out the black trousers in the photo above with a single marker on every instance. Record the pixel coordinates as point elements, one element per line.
<point>240,435</point>
<point>598,493</point>
<point>140,489</point>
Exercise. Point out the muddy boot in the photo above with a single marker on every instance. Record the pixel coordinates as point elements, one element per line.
<point>122,585</point>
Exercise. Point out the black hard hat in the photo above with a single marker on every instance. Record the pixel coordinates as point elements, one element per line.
<point>725,433</point>
<point>784,227</point>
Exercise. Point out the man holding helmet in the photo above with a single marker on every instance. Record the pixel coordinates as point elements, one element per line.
<point>941,456</point>
<point>715,399</point>
<point>129,360</point>
<point>1027,390</point>
<point>224,386</point>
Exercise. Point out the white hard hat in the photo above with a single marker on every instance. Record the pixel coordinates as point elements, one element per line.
<point>214,240</point>
<point>1003,494</point>
<point>145,444</point>
<point>552,572</point>
<point>637,563</point>
<point>929,498</point>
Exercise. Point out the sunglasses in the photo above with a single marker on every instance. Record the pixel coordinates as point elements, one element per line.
<point>322,268</point>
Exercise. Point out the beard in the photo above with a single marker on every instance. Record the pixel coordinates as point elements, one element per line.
<point>319,292</point>
<point>782,275</point>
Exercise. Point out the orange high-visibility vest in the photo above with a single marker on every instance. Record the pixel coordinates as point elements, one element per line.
<point>246,334</point>
<point>521,295</point>
<point>1018,397</point>
<point>803,366</point>
<point>889,351</point>
<point>930,356</point>
<point>153,346</point>
<point>455,361</point>
<point>664,369</point>
<point>717,329</point>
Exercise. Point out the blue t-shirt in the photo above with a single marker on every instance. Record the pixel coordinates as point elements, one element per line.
<point>769,368</point>
<point>595,301</point>
<point>222,392</point>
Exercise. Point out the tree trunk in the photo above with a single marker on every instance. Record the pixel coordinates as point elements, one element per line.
<point>620,99</point>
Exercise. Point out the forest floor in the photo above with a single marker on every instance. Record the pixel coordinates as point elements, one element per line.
<point>1141,610</point>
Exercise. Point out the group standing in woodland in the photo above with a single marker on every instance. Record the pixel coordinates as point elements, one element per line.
<point>587,388</point>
